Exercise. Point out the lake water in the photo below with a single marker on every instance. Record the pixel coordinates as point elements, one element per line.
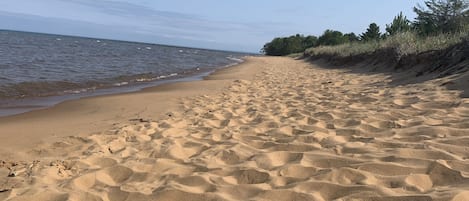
<point>41,67</point>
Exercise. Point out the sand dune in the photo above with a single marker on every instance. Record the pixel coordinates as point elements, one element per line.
<point>291,131</point>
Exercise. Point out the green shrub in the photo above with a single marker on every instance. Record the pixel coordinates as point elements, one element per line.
<point>404,43</point>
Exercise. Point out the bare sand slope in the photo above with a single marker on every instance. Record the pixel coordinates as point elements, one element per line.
<point>293,131</point>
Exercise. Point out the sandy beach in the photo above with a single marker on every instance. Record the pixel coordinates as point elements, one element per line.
<point>272,128</point>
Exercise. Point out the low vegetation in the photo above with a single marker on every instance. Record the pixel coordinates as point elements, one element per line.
<point>438,25</point>
<point>403,43</point>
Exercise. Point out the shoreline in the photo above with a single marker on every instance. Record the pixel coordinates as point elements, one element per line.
<point>80,114</point>
<point>11,107</point>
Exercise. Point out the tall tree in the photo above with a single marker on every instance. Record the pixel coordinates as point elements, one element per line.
<point>372,33</point>
<point>400,23</point>
<point>441,16</point>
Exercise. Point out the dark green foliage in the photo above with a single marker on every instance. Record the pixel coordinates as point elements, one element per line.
<point>372,33</point>
<point>310,41</point>
<point>441,16</point>
<point>331,37</point>
<point>399,24</point>
<point>275,48</point>
<point>288,45</point>
<point>351,37</point>
<point>298,43</point>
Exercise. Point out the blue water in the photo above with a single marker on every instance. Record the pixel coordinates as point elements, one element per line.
<point>36,65</point>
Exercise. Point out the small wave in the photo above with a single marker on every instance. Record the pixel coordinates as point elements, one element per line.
<point>235,59</point>
<point>78,91</point>
<point>144,79</point>
<point>167,76</point>
<point>120,84</point>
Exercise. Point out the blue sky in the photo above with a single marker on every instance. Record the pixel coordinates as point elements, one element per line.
<point>240,25</point>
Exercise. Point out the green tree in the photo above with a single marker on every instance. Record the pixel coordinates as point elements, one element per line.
<point>351,37</point>
<point>294,44</point>
<point>288,45</point>
<point>274,48</point>
<point>331,37</point>
<point>441,16</point>
<point>310,41</point>
<point>400,23</point>
<point>372,33</point>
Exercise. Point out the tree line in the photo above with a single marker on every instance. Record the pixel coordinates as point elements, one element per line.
<point>434,17</point>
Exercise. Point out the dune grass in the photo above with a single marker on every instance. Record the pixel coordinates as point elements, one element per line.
<point>404,43</point>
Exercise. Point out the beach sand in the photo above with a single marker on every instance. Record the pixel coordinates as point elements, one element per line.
<point>272,128</point>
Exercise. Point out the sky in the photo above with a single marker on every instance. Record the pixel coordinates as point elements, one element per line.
<point>241,25</point>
